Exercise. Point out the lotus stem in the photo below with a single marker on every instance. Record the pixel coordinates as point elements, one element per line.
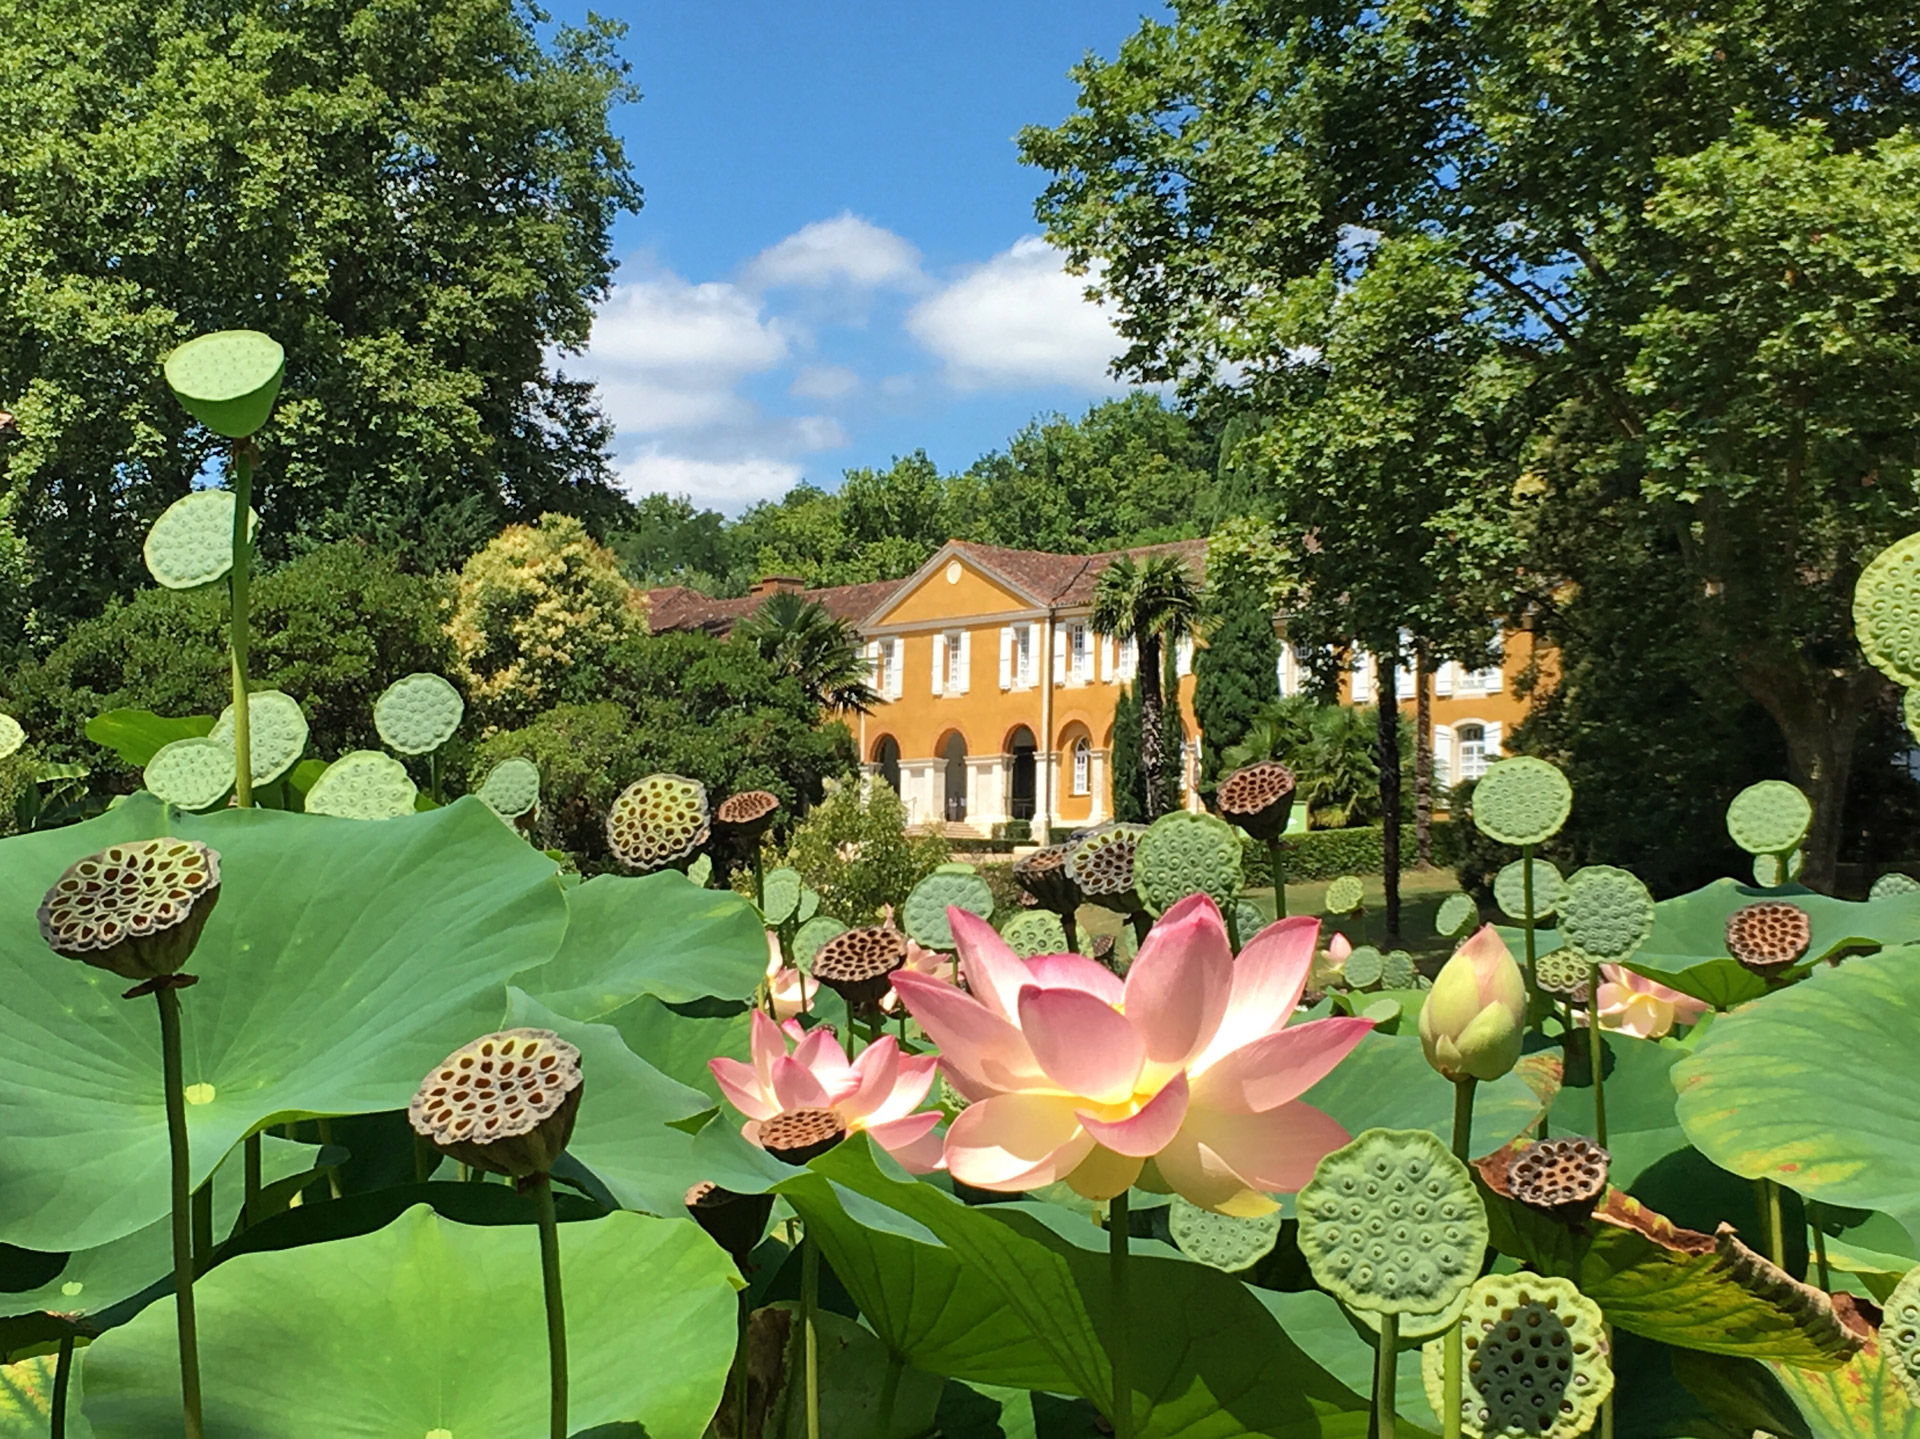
<point>1231,914</point>
<point>1142,927</point>
<point>1463,1091</point>
<point>743,1377</point>
<point>759,879</point>
<point>1453,1361</point>
<point>324,1127</point>
<point>1819,1246</point>
<point>889,1395</point>
<point>556,1307</point>
<point>1596,1057</point>
<point>203,1227</point>
<point>62,1372</point>
<point>1383,1378</point>
<point>1526,922</point>
<point>237,623</point>
<point>809,1308</point>
<point>1277,861</point>
<point>250,1148</point>
<point>169,1000</point>
<point>1071,928</point>
<point>1120,1274</point>
<point>1776,1228</point>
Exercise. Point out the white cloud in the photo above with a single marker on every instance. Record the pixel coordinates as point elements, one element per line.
<point>845,250</point>
<point>1019,319</point>
<point>726,484</point>
<point>824,382</point>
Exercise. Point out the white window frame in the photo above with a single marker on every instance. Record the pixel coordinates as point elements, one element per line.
<point>957,647</point>
<point>1476,751</point>
<point>1183,657</point>
<point>892,681</point>
<point>1362,685</point>
<point>1083,766</point>
<point>1079,653</point>
<point>1026,650</point>
<point>1129,661</point>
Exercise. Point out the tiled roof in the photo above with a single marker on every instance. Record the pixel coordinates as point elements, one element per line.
<point>679,608</point>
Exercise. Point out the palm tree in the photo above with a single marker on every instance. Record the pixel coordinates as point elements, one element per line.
<point>799,638</point>
<point>1155,604</point>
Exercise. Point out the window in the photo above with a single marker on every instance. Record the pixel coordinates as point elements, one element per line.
<point>1472,742</point>
<point>1362,689</point>
<point>886,668</point>
<point>1129,658</point>
<point>1023,655</point>
<point>1083,766</point>
<point>1080,645</point>
<point>956,662</point>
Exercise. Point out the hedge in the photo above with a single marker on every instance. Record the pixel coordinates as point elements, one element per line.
<point>1329,853</point>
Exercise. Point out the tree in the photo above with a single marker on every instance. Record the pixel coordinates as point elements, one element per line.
<point>855,850</point>
<point>414,197</point>
<point>1129,777</point>
<point>1153,603</point>
<point>667,541</point>
<point>1237,673</point>
<point>802,641</point>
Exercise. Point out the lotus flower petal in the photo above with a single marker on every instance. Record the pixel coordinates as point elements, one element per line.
<point>1076,971</point>
<point>1016,1141</point>
<point>1085,1046</point>
<point>994,973</point>
<point>1181,981</point>
<point>1269,976</point>
<point>1146,1133</point>
<point>987,1051</point>
<point>1103,1174</point>
<point>1279,1067</point>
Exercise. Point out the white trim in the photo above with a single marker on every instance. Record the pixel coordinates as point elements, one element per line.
<point>1006,657</point>
<point>1083,766</point>
<point>940,663</point>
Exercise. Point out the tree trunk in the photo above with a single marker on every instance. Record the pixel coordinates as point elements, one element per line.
<point>1152,751</point>
<point>1387,756</point>
<point>1422,759</point>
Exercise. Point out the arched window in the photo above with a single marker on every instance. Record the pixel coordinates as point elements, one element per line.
<point>1471,739</point>
<point>1083,765</point>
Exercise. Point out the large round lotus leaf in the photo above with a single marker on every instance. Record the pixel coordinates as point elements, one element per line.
<point>811,935</point>
<point>1457,912</point>
<point>1364,967</point>
<point>228,380</point>
<point>1886,611</point>
<point>1893,883</point>
<point>1521,801</point>
<point>512,787</point>
<point>431,1328</point>
<point>1345,894</point>
<point>1535,1360</point>
<point>924,915</point>
<point>1221,1240</point>
<point>1900,1332</point>
<point>11,736</point>
<point>1510,892</point>
<point>342,962</point>
<point>276,733</point>
<point>191,773</point>
<point>364,784</point>
<point>1035,931</point>
<point>1183,853</point>
<point>1769,873</point>
<point>781,894</point>
<point>1606,912</point>
<point>418,713</point>
<point>1392,1222</point>
<point>1770,817</point>
<point>191,544</point>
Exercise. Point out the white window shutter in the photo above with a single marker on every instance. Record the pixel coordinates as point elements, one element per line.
<point>1493,738</point>
<point>1006,657</point>
<point>1443,680</point>
<point>1029,664</point>
<point>1442,756</point>
<point>1059,657</point>
<point>1183,658</point>
<point>873,663</point>
<point>896,666</point>
<point>963,675</point>
<point>1362,688</point>
<point>939,664</point>
<point>1106,658</point>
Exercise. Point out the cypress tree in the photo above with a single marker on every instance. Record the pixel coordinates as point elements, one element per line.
<point>1129,782</point>
<point>1173,739</point>
<point>1235,676</point>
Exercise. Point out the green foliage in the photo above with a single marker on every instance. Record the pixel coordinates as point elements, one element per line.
<point>858,855</point>
<point>1129,780</point>
<point>1155,603</point>
<point>804,643</point>
<point>1331,750</point>
<point>1235,673</point>
<point>1330,853</point>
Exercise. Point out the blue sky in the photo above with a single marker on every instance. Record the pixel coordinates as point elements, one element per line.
<point>838,260</point>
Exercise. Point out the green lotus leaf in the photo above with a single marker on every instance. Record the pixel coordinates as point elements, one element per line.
<point>924,915</point>
<point>191,544</point>
<point>1606,912</point>
<point>1341,1340</point>
<point>11,736</point>
<point>512,787</point>
<point>276,733</point>
<point>1035,931</point>
<point>418,713</point>
<point>1521,801</point>
<point>678,1040</point>
<point>363,784</point>
<point>1344,895</point>
<point>1865,1400</point>
<point>138,735</point>
<point>1770,817</point>
<point>1184,853</point>
<point>1457,914</point>
<point>1221,1240</point>
<point>228,380</point>
<point>1893,883</point>
<point>341,963</point>
<point>781,895</point>
<point>1510,889</point>
<point>1886,611</point>
<point>810,936</point>
<point>853,1380</point>
<point>1398,971</point>
<point>1769,873</point>
<point>191,773</point>
<point>1364,967</point>
<point>454,1314</point>
<point>1536,1360</point>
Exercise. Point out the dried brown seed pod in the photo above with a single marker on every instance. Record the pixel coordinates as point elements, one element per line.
<point>658,821</point>
<point>798,1135</point>
<point>1258,797</point>
<point>1101,863</point>
<point>504,1102</point>
<point>1042,877</point>
<point>136,910</point>
<point>1565,1175</point>
<point>742,818</point>
<point>1769,934</point>
<point>858,965</point>
<point>735,1222</point>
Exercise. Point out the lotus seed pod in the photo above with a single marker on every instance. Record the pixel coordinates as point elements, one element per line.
<point>1567,972</point>
<point>418,713</point>
<point>1521,801</point>
<point>1769,935</point>
<point>1392,1222</point>
<point>191,773</point>
<point>1257,797</point>
<point>742,818</point>
<point>1043,875</point>
<point>228,380</point>
<point>1474,1019</point>
<point>1606,912</point>
<point>512,787</point>
<point>1457,913</point>
<point>1102,864</point>
<point>11,736</point>
<point>1248,918</point>
<point>780,889</point>
<point>276,733</point>
<point>1770,817</point>
<point>925,913</point>
<point>1345,894</point>
<point>1510,889</point>
<point>1398,971</point>
<point>1363,967</point>
<point>1900,1332</point>
<point>1183,853</point>
<point>1035,931</point>
<point>1892,883</point>
<point>736,1222</point>
<point>858,964</point>
<point>1770,873</point>
<point>364,784</point>
<point>1886,611</point>
<point>136,910</point>
<point>796,1136</point>
<point>950,1098</point>
<point>658,821</point>
<point>504,1102</point>
<point>1535,1357</point>
<point>1222,1241</point>
<point>812,936</point>
<point>809,904</point>
<point>191,544</point>
<point>1565,1176</point>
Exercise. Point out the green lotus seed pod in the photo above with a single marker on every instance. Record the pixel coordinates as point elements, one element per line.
<point>1900,1332</point>
<point>812,936</point>
<point>1363,967</point>
<point>924,915</point>
<point>950,1098</point>
<point>1770,817</point>
<point>512,787</point>
<point>1392,1222</point>
<point>1567,972</point>
<point>192,773</point>
<point>1043,875</point>
<point>1769,873</point>
<point>1534,1353</point>
<point>1183,853</point>
<point>11,736</point>
<point>1521,801</point>
<point>276,733</point>
<point>418,713</point>
<point>1892,883</point>
<point>1398,971</point>
<point>136,910</point>
<point>191,544</point>
<point>808,907</point>
<point>228,380</point>
<point>700,871</point>
<point>1456,915</point>
<point>1249,919</point>
<point>1257,797</point>
<point>780,889</point>
<point>658,821</point>
<point>363,784</point>
<point>1101,862</point>
<point>1035,931</point>
<point>1345,894</point>
<point>1886,611</point>
<point>1221,1241</point>
<point>504,1102</point>
<point>1606,912</point>
<point>1510,889</point>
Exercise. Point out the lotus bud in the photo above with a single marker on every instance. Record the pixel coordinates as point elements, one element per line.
<point>136,910</point>
<point>1339,947</point>
<point>504,1103</point>
<point>1474,1018</point>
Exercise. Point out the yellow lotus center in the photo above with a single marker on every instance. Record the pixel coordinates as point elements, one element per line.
<point>199,1094</point>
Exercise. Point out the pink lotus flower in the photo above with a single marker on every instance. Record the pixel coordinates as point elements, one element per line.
<point>877,1093</point>
<point>1644,1008</point>
<point>1339,947</point>
<point>1181,1077</point>
<point>934,963</point>
<point>792,992</point>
